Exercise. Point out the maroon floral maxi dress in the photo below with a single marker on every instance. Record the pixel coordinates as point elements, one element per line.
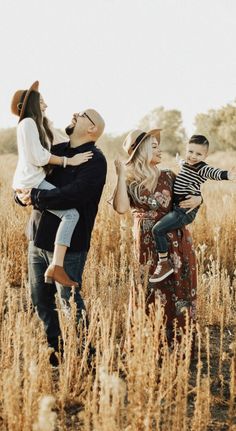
<point>178,291</point>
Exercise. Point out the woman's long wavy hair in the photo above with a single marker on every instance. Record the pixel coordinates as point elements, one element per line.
<point>140,173</point>
<point>32,110</point>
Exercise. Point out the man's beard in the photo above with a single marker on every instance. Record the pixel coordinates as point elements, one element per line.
<point>69,130</point>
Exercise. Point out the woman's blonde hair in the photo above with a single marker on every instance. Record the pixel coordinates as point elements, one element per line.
<point>140,173</point>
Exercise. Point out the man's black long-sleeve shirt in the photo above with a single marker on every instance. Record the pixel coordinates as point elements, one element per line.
<point>77,187</point>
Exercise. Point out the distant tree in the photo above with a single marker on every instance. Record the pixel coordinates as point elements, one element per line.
<point>8,141</point>
<point>111,145</point>
<point>219,126</point>
<point>173,135</point>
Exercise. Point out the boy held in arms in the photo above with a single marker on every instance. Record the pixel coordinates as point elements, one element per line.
<point>194,172</point>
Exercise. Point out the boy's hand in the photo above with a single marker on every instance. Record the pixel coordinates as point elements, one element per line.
<point>232,174</point>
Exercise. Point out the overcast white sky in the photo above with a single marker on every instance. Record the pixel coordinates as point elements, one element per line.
<point>122,57</point>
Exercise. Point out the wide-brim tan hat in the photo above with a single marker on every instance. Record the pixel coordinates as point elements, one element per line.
<point>135,138</point>
<point>20,98</point>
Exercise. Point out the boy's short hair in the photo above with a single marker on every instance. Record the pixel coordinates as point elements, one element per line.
<point>199,139</point>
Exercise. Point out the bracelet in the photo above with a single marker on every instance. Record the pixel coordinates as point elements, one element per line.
<point>64,162</point>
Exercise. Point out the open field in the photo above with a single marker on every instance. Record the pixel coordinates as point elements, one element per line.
<point>128,388</point>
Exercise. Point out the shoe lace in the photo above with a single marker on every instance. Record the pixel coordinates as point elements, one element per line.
<point>158,269</point>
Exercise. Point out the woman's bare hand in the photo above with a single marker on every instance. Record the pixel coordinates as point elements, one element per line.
<point>191,202</point>
<point>120,167</point>
<point>80,158</point>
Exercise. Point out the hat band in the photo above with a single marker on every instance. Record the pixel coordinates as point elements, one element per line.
<point>20,104</point>
<point>137,141</point>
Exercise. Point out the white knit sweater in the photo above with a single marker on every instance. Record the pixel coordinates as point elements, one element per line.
<point>31,156</point>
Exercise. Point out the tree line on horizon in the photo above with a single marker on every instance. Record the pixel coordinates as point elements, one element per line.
<point>218,125</point>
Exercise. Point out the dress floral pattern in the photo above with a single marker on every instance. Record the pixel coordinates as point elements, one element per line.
<point>178,291</point>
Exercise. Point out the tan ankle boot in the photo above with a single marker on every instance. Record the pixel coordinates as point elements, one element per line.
<point>57,273</point>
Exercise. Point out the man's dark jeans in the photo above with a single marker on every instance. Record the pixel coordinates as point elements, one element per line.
<point>173,220</point>
<point>43,295</point>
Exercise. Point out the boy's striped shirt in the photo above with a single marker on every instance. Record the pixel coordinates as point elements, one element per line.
<point>190,178</point>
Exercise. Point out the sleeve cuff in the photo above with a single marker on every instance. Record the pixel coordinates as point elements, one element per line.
<point>35,198</point>
<point>224,175</point>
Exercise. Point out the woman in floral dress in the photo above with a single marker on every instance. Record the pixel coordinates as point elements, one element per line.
<point>147,190</point>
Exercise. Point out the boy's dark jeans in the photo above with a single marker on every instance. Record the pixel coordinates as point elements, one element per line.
<point>171,221</point>
<point>43,295</point>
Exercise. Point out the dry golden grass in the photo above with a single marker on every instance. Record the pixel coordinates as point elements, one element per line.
<point>129,387</point>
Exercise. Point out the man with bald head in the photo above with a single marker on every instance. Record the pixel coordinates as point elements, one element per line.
<point>77,187</point>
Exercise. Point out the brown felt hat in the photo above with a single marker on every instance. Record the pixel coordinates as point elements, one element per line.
<point>135,138</point>
<point>20,98</point>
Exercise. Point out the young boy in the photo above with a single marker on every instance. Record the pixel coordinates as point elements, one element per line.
<point>194,172</point>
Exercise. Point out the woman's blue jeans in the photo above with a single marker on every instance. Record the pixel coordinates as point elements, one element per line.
<point>69,219</point>
<point>43,295</point>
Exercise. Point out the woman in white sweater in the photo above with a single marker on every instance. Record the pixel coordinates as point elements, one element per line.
<point>34,140</point>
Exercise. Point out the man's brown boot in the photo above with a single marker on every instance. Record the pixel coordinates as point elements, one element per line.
<point>162,271</point>
<point>57,273</point>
